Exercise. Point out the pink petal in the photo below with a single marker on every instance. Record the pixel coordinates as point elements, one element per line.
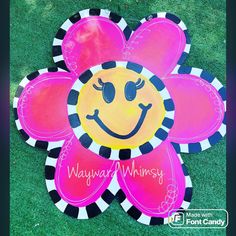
<point>149,197</point>
<point>88,40</point>
<point>199,109</point>
<point>80,178</point>
<point>41,106</point>
<point>159,43</point>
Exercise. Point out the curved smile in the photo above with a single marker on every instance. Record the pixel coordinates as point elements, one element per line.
<point>126,136</point>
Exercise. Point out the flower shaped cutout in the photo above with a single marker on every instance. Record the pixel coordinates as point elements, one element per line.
<point>116,113</point>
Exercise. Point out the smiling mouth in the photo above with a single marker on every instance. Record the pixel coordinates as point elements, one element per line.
<point>126,136</point>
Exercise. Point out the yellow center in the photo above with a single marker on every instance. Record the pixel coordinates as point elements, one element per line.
<point>120,116</point>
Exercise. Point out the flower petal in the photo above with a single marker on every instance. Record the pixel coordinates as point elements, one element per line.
<point>155,184</point>
<point>78,181</point>
<point>160,42</point>
<point>88,38</point>
<point>40,106</point>
<point>199,100</point>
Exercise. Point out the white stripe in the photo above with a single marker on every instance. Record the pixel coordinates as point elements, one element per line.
<point>135,152</point>
<point>165,128</point>
<point>166,220</point>
<point>184,148</point>
<point>15,102</point>
<point>18,125</point>
<point>105,13</point>
<point>42,71</point>
<point>225,105</point>
<point>57,42</point>
<point>58,58</point>
<point>114,154</point>
<point>180,158</point>
<point>94,147</point>
<point>147,73</point>
<point>216,83</point>
<point>196,71</point>
<point>185,205</point>
<point>182,25</point>
<point>155,141</point>
<point>187,48</point>
<point>78,131</point>
<point>102,204</point>
<point>50,184</point>
<point>24,82</point>
<point>84,13</point>
<point>31,141</point>
<point>61,205</point>
<point>143,20</point>
<point>95,69</point>
<point>188,181</point>
<point>170,114</point>
<point>114,185</point>
<point>77,85</point>
<point>126,205</point>
<point>60,69</point>
<point>52,145</point>
<point>222,129</point>
<point>122,24</point>
<point>175,71</point>
<point>144,219</point>
<point>66,25</point>
<point>205,144</point>
<point>71,109</point>
<point>82,213</point>
<point>161,14</point>
<point>164,93</point>
<point>51,161</point>
<point>121,63</point>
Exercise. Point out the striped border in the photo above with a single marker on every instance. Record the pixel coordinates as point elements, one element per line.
<point>220,133</point>
<point>26,80</point>
<point>178,22</point>
<point>107,152</point>
<point>57,42</point>
<point>85,212</point>
<point>136,214</point>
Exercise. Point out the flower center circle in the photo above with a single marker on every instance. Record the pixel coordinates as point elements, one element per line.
<point>119,106</point>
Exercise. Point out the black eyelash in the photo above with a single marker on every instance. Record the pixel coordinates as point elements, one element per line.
<point>140,83</point>
<point>101,83</point>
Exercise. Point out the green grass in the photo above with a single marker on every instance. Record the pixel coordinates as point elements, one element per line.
<point>33,26</point>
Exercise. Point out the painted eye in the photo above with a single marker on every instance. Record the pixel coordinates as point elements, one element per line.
<point>131,89</point>
<point>108,90</point>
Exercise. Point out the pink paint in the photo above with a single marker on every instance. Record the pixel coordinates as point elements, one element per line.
<point>42,107</point>
<point>92,41</point>
<point>199,109</point>
<point>74,166</point>
<point>157,45</point>
<point>147,192</point>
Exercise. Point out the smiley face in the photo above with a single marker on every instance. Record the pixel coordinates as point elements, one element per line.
<point>118,107</point>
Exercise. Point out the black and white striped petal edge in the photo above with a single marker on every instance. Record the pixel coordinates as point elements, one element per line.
<point>107,152</point>
<point>120,22</point>
<point>31,141</point>
<point>220,133</point>
<point>136,214</point>
<point>85,212</point>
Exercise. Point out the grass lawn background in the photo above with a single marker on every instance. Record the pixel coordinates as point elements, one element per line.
<point>33,26</point>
